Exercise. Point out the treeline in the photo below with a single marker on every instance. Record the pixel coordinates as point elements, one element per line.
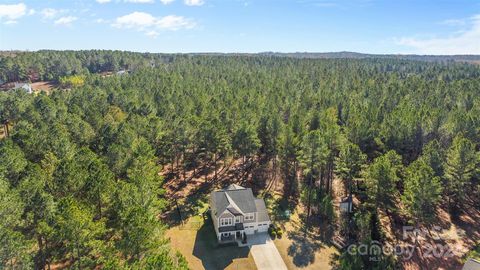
<point>52,65</point>
<point>353,55</point>
<point>80,167</point>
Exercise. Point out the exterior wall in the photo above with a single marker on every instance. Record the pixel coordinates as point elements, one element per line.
<point>214,220</point>
<point>263,226</point>
<point>226,214</point>
<point>250,228</point>
<point>241,219</point>
<point>251,221</point>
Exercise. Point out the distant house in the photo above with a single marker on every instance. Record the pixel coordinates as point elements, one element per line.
<point>25,86</point>
<point>346,204</point>
<point>471,264</point>
<point>235,212</point>
<point>122,72</point>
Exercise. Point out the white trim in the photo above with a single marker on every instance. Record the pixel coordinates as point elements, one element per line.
<point>226,221</point>
<point>221,214</point>
<point>249,216</point>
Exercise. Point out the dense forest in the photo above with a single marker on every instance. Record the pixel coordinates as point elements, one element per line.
<point>79,177</point>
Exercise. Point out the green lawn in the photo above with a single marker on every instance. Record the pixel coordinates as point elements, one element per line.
<point>196,240</point>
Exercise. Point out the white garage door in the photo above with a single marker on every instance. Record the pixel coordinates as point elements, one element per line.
<point>249,229</point>
<point>262,227</point>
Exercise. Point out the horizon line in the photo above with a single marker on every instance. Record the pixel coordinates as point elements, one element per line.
<point>245,53</point>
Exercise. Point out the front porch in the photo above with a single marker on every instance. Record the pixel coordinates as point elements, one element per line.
<point>227,239</point>
<point>232,236</point>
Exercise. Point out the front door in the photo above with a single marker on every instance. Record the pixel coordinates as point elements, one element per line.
<point>238,234</point>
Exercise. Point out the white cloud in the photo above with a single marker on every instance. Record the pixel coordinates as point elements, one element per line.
<point>140,1</point>
<point>49,13</point>
<point>12,12</point>
<point>172,22</point>
<point>194,2</point>
<point>166,2</point>
<point>135,20</point>
<point>152,33</point>
<point>466,41</point>
<point>148,23</point>
<point>103,1</point>
<point>65,20</point>
<point>453,22</point>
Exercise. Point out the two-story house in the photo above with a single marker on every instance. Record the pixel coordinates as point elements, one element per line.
<point>236,211</point>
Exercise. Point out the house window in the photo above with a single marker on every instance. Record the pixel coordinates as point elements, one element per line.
<point>237,219</point>
<point>249,216</point>
<point>226,221</point>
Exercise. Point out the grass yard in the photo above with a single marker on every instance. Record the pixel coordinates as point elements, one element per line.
<point>45,86</point>
<point>297,251</point>
<point>196,240</point>
<point>305,254</point>
<point>300,252</point>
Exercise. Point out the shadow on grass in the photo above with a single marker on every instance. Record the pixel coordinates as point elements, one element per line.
<point>303,249</point>
<point>213,255</point>
<point>192,205</point>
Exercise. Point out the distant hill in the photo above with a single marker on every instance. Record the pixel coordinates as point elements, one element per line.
<point>355,55</point>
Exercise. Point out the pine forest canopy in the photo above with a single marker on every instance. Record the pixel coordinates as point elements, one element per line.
<point>79,169</point>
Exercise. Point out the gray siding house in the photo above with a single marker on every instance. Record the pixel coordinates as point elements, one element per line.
<point>236,211</point>
<point>25,86</point>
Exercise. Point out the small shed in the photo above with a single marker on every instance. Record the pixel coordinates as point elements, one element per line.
<point>25,86</point>
<point>123,72</point>
<point>346,204</point>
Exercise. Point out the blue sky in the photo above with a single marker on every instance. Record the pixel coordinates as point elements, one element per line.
<point>368,26</point>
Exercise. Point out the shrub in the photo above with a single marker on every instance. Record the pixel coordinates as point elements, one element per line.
<point>273,234</point>
<point>72,81</point>
<point>279,233</point>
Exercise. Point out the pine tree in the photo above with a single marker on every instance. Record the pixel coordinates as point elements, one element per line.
<point>382,177</point>
<point>349,164</point>
<point>245,141</point>
<point>460,166</point>
<point>289,148</point>
<point>422,191</point>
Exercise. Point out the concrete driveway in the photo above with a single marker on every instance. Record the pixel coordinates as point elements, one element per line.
<point>265,252</point>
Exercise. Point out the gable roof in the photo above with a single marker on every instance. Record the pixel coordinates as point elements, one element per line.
<point>236,199</point>
<point>233,207</point>
<point>234,187</point>
<point>262,214</point>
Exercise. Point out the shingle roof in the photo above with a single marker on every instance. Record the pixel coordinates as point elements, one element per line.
<point>234,186</point>
<point>262,214</point>
<point>232,198</point>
